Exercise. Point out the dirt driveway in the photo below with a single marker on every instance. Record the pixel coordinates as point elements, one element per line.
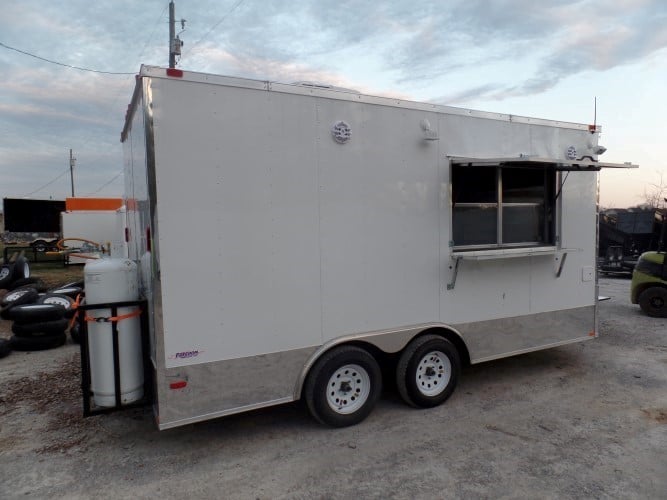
<point>582,421</point>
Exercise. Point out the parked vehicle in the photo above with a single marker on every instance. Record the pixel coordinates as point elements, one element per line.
<point>292,240</point>
<point>649,284</point>
<point>615,262</point>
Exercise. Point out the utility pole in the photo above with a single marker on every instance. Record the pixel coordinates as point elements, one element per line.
<point>175,42</point>
<point>72,161</point>
<point>172,36</point>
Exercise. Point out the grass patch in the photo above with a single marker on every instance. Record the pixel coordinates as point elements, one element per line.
<point>55,274</point>
<point>50,268</point>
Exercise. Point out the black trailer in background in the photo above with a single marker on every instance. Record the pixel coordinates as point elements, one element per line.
<point>627,233</point>
<point>32,227</point>
<point>32,216</point>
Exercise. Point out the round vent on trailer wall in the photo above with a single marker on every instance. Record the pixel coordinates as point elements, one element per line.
<point>571,153</point>
<point>341,132</point>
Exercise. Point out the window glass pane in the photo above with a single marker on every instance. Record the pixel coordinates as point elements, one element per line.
<point>524,224</point>
<point>474,185</point>
<point>475,225</point>
<point>523,185</point>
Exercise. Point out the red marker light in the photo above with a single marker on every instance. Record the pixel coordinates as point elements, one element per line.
<point>178,385</point>
<point>177,73</point>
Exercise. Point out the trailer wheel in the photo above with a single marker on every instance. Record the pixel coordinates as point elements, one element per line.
<point>20,296</point>
<point>653,302</point>
<point>343,386</point>
<point>40,246</point>
<point>21,268</point>
<point>427,371</point>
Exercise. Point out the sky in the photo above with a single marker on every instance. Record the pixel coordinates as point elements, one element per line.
<point>549,59</point>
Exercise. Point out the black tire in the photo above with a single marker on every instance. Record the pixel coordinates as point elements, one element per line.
<point>653,302</point>
<point>77,284</point>
<point>39,246</point>
<point>37,343</point>
<point>5,312</point>
<point>25,295</point>
<point>58,299</point>
<point>427,371</point>
<point>41,329</point>
<point>75,333</point>
<point>5,347</point>
<point>70,291</point>
<point>36,313</point>
<point>21,268</point>
<point>6,275</point>
<point>34,282</point>
<point>23,282</point>
<point>343,386</point>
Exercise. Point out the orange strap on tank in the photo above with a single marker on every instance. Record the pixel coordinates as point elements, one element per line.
<point>75,308</point>
<point>112,319</point>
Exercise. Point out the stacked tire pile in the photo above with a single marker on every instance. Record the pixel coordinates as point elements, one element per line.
<point>40,317</point>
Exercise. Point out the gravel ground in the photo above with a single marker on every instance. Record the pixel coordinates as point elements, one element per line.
<point>582,421</point>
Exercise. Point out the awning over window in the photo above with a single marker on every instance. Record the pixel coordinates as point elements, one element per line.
<point>585,164</point>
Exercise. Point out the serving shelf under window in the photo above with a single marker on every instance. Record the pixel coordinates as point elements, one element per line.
<point>509,253</point>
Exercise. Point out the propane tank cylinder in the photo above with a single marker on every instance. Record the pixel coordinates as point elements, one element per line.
<point>110,280</point>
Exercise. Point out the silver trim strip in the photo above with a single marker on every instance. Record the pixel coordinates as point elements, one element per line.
<point>222,413</point>
<point>532,349</point>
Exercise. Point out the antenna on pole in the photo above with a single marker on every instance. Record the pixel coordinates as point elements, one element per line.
<point>175,42</point>
<point>594,128</point>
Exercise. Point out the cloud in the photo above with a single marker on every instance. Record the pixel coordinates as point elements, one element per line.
<point>222,61</point>
<point>578,36</point>
<point>464,51</point>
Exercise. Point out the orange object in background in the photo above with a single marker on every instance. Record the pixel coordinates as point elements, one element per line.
<point>72,204</point>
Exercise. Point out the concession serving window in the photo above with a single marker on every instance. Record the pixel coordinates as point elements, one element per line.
<point>502,203</point>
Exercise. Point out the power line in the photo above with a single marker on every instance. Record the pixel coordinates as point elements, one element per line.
<point>234,7</point>
<point>62,64</point>
<point>120,91</point>
<point>106,184</point>
<point>48,183</point>
<point>150,37</point>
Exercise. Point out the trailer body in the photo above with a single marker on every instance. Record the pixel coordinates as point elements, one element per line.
<point>273,222</point>
<point>103,227</point>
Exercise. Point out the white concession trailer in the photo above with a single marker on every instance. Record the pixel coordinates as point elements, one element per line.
<point>292,239</point>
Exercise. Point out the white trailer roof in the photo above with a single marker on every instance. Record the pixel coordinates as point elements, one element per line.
<point>350,95</point>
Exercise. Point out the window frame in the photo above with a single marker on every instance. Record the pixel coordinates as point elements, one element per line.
<point>549,203</point>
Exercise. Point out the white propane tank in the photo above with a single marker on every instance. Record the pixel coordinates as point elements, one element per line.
<point>107,281</point>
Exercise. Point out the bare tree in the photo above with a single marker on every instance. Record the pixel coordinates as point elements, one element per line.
<point>655,193</point>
